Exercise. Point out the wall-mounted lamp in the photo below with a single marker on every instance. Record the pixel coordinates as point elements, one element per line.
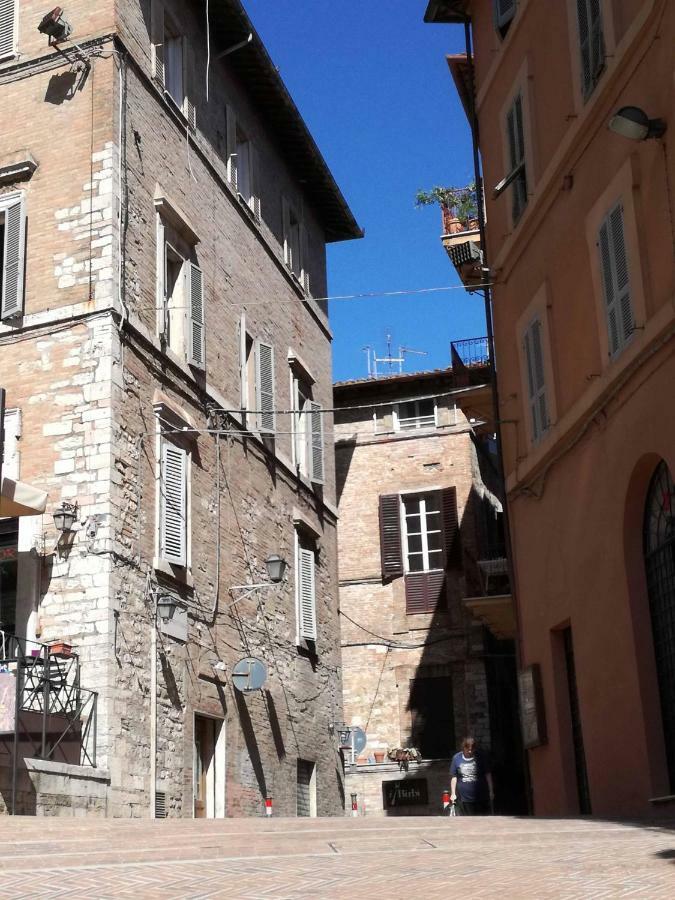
<point>166,607</point>
<point>634,123</point>
<point>64,517</point>
<point>276,568</point>
<point>55,26</point>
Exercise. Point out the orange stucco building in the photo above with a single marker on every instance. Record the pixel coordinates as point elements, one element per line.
<point>579,252</point>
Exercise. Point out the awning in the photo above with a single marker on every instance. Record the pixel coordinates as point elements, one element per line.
<point>19,499</point>
<point>496,613</point>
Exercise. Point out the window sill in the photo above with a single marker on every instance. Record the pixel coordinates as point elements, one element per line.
<point>177,573</point>
<point>247,208</point>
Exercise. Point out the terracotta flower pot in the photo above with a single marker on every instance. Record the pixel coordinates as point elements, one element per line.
<point>60,648</point>
<point>379,756</point>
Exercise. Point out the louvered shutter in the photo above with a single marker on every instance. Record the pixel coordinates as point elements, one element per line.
<point>306,594</point>
<point>316,448</point>
<point>452,549</point>
<point>304,258</point>
<point>7,28</point>
<point>254,157</point>
<point>516,141</point>
<point>504,11</point>
<point>536,379</point>
<point>615,280</point>
<point>160,277</point>
<point>173,504</point>
<point>243,364</point>
<point>391,551</point>
<point>286,228</point>
<point>13,259</point>
<point>157,39</point>
<point>425,592</point>
<point>189,108</point>
<point>591,43</point>
<point>597,39</point>
<point>265,387</point>
<point>10,459</point>
<point>231,140</point>
<point>197,331</point>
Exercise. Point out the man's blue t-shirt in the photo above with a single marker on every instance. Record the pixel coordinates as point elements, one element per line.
<point>471,781</point>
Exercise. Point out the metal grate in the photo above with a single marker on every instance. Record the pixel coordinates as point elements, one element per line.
<point>160,804</point>
<point>659,549</point>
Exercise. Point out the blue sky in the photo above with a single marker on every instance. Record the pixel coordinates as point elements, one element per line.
<point>371,81</point>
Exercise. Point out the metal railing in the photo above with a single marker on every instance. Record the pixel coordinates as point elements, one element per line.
<point>472,351</point>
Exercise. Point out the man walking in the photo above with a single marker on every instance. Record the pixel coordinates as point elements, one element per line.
<point>471,780</point>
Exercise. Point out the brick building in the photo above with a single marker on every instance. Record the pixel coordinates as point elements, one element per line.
<point>164,231</point>
<point>421,554</point>
<point>572,104</point>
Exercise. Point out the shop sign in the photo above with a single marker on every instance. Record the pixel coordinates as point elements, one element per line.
<point>8,554</point>
<point>7,702</point>
<point>531,699</point>
<point>408,792</point>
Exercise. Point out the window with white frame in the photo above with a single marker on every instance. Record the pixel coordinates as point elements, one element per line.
<point>8,28</point>
<point>170,59</point>
<point>412,415</point>
<point>308,449</point>
<point>421,528</point>
<point>12,252</point>
<point>591,43</point>
<point>305,587</point>
<point>174,516</point>
<point>536,378</point>
<point>242,163</point>
<point>616,280</point>
<point>295,244</point>
<point>180,297</point>
<point>503,11</point>
<point>517,178</point>
<point>258,384</point>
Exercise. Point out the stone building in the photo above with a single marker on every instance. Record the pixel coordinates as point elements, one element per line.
<point>572,103</point>
<point>421,553</point>
<point>164,213</point>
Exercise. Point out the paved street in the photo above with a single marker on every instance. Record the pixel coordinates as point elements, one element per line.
<point>364,858</point>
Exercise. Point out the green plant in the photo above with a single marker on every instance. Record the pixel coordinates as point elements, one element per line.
<point>459,202</point>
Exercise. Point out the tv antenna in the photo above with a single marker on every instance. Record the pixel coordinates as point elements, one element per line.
<point>393,363</point>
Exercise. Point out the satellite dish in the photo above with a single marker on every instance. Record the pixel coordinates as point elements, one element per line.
<point>249,674</point>
<point>359,740</point>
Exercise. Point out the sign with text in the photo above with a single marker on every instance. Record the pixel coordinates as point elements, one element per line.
<point>531,700</point>
<point>408,792</point>
<point>7,702</point>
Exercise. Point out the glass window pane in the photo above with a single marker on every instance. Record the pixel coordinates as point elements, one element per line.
<point>412,505</point>
<point>433,502</point>
<point>426,408</point>
<point>416,562</point>
<point>434,540</point>
<point>413,524</point>
<point>436,559</point>
<point>415,543</point>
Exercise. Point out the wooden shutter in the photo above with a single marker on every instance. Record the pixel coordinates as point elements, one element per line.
<point>189,87</point>
<point>616,280</point>
<point>7,28</point>
<point>391,551</point>
<point>173,504</point>
<point>591,43</point>
<point>316,447</point>
<point>197,331</point>
<point>304,258</point>
<point>157,40</point>
<point>231,141</point>
<point>13,258</point>
<point>536,379</point>
<point>254,176</point>
<point>425,592</point>
<point>243,364</point>
<point>11,456</point>
<point>516,141</point>
<point>286,230</point>
<point>160,277</point>
<point>504,11</point>
<point>452,548</point>
<point>265,387</point>
<point>306,595</point>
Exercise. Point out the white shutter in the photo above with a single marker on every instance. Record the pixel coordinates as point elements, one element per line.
<point>254,157</point>
<point>173,504</point>
<point>231,140</point>
<point>304,258</point>
<point>157,40</point>
<point>265,387</point>
<point>189,79</point>
<point>286,229</point>
<point>197,331</point>
<point>7,28</point>
<point>504,11</point>
<point>316,446</point>
<point>306,595</point>
<point>13,258</point>
<point>243,364</point>
<point>615,280</point>
<point>11,457</point>
<point>536,379</point>
<point>160,277</point>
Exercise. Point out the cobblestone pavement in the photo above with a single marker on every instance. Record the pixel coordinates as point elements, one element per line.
<point>328,858</point>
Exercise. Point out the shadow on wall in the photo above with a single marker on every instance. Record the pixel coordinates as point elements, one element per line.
<point>248,732</point>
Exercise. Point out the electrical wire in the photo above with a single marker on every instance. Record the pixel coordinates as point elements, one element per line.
<point>383,641</point>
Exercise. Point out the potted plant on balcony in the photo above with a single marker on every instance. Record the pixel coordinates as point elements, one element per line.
<point>459,206</point>
<point>403,756</point>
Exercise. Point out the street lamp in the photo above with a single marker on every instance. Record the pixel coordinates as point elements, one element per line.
<point>634,123</point>
<point>64,517</point>
<point>55,26</point>
<point>276,568</point>
<point>166,607</point>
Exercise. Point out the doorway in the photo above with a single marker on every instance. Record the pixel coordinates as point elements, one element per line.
<point>209,768</point>
<point>306,790</point>
<point>432,717</point>
<point>583,791</point>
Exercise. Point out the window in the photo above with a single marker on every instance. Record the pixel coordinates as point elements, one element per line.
<point>591,43</point>
<point>9,556</point>
<point>307,431</point>
<point>306,788</point>
<point>616,281</point>
<point>180,297</point>
<point>173,504</point>
<point>536,379</point>
<point>8,28</point>
<point>11,455</point>
<point>419,538</point>
<point>305,587</point>
<point>295,245</point>
<point>415,414</point>
<point>242,163</point>
<point>504,11</point>
<point>12,249</point>
<point>170,63</point>
<point>517,177</point>
<point>264,387</point>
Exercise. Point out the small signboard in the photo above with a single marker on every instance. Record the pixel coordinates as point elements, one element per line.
<point>531,700</point>
<point>7,702</point>
<point>408,792</point>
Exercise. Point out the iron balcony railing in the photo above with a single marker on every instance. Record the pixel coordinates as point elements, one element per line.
<point>472,351</point>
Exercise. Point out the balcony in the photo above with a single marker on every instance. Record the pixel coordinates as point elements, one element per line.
<point>462,244</point>
<point>489,592</point>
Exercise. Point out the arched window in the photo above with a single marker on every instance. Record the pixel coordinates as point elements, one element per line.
<point>659,551</point>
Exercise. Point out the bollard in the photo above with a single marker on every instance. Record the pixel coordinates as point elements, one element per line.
<point>268,806</point>
<point>355,805</point>
<point>446,800</point>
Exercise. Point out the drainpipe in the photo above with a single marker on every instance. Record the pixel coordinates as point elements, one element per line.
<point>487,297</point>
<point>153,711</point>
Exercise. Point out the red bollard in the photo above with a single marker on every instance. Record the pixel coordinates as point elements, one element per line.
<point>268,806</point>
<point>446,800</point>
